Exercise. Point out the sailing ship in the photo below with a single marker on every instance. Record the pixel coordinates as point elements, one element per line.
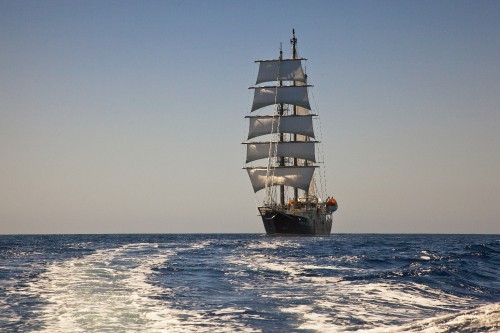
<point>292,203</point>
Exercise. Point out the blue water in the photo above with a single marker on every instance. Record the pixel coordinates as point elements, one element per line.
<point>249,283</point>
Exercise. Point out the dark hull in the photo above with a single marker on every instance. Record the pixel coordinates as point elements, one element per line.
<point>309,223</point>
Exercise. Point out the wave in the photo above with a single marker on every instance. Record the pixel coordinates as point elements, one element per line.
<point>250,283</point>
<point>481,319</point>
<point>100,292</point>
<point>116,290</point>
<point>328,297</point>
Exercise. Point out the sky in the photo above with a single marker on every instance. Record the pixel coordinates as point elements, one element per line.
<point>128,116</point>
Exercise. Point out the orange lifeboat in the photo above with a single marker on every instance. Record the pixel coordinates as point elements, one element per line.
<point>331,202</point>
<point>331,205</point>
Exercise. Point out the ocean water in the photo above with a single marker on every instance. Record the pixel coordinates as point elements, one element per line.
<point>249,283</point>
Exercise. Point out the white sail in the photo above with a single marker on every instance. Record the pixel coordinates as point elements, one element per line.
<point>299,137</point>
<point>300,111</point>
<point>295,95</point>
<point>262,125</point>
<point>280,70</point>
<point>299,177</point>
<point>304,150</point>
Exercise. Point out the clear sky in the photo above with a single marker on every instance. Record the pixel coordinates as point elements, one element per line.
<point>127,116</point>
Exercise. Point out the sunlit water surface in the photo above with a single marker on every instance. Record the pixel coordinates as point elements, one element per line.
<point>250,283</point>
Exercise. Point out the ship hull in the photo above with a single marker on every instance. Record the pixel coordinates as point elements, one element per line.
<point>297,223</point>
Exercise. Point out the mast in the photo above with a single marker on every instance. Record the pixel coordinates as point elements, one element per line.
<point>293,41</point>
<point>282,158</point>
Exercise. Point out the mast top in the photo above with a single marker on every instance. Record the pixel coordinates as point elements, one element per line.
<point>293,41</point>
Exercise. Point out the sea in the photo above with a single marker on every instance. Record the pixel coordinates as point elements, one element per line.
<point>249,283</point>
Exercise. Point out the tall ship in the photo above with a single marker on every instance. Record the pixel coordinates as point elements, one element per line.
<point>282,141</point>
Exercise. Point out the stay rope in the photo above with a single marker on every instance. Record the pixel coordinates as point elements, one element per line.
<point>322,173</point>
